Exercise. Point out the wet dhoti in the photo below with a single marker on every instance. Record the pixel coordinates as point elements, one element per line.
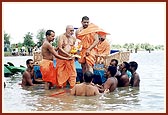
<point>48,72</point>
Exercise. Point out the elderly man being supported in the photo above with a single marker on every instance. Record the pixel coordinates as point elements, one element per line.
<point>65,69</point>
<point>46,65</point>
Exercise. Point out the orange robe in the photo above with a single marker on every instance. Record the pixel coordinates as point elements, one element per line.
<point>103,48</point>
<point>48,71</point>
<point>87,38</point>
<point>65,71</point>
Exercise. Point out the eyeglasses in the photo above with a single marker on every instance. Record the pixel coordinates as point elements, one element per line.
<point>102,39</point>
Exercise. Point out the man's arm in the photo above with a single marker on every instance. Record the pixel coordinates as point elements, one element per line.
<point>108,83</point>
<point>96,90</point>
<point>136,81</point>
<point>37,80</point>
<point>73,90</point>
<point>51,49</point>
<point>96,41</point>
<point>28,78</point>
<point>125,80</point>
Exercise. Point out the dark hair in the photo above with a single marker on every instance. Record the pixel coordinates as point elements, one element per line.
<point>28,61</point>
<point>115,61</point>
<point>88,76</point>
<point>126,65</point>
<point>133,64</point>
<point>112,70</point>
<point>85,18</point>
<point>48,32</point>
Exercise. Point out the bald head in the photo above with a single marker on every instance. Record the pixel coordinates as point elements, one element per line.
<point>69,30</point>
<point>69,27</point>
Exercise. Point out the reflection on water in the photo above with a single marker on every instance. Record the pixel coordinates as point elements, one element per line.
<point>149,97</point>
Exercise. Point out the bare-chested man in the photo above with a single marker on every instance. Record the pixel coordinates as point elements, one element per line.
<point>86,88</point>
<point>46,66</point>
<point>135,79</point>
<point>65,69</point>
<point>123,79</point>
<point>111,82</point>
<point>28,74</point>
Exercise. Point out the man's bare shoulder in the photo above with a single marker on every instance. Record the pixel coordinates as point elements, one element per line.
<point>136,75</point>
<point>62,35</point>
<point>79,85</point>
<point>46,45</point>
<point>110,80</point>
<point>26,73</point>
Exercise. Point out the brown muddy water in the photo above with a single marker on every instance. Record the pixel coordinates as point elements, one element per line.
<point>150,97</point>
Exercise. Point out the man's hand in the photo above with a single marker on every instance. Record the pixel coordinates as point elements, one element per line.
<point>106,91</point>
<point>87,52</point>
<point>76,56</point>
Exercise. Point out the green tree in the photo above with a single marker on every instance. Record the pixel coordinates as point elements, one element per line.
<point>41,36</point>
<point>28,39</point>
<point>137,47</point>
<point>6,38</point>
<point>7,42</point>
<point>126,46</point>
<point>115,46</point>
<point>143,46</point>
<point>56,41</point>
<point>131,46</point>
<point>159,47</point>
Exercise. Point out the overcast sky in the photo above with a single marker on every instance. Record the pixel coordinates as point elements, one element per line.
<point>126,22</point>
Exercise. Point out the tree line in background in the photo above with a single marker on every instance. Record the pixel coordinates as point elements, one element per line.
<point>138,47</point>
<point>29,42</point>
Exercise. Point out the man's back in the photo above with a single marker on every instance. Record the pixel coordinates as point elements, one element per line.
<point>123,80</point>
<point>135,80</point>
<point>111,84</point>
<point>84,89</point>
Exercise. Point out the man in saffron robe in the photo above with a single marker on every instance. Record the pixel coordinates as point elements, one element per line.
<point>65,69</point>
<point>89,36</point>
<point>103,49</point>
<point>46,65</point>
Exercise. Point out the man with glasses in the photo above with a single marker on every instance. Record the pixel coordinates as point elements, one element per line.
<point>103,49</point>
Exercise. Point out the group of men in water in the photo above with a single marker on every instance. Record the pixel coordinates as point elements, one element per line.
<point>94,44</point>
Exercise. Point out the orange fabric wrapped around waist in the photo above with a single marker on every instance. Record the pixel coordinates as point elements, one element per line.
<point>65,70</point>
<point>48,71</point>
<point>90,59</point>
<point>87,39</point>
